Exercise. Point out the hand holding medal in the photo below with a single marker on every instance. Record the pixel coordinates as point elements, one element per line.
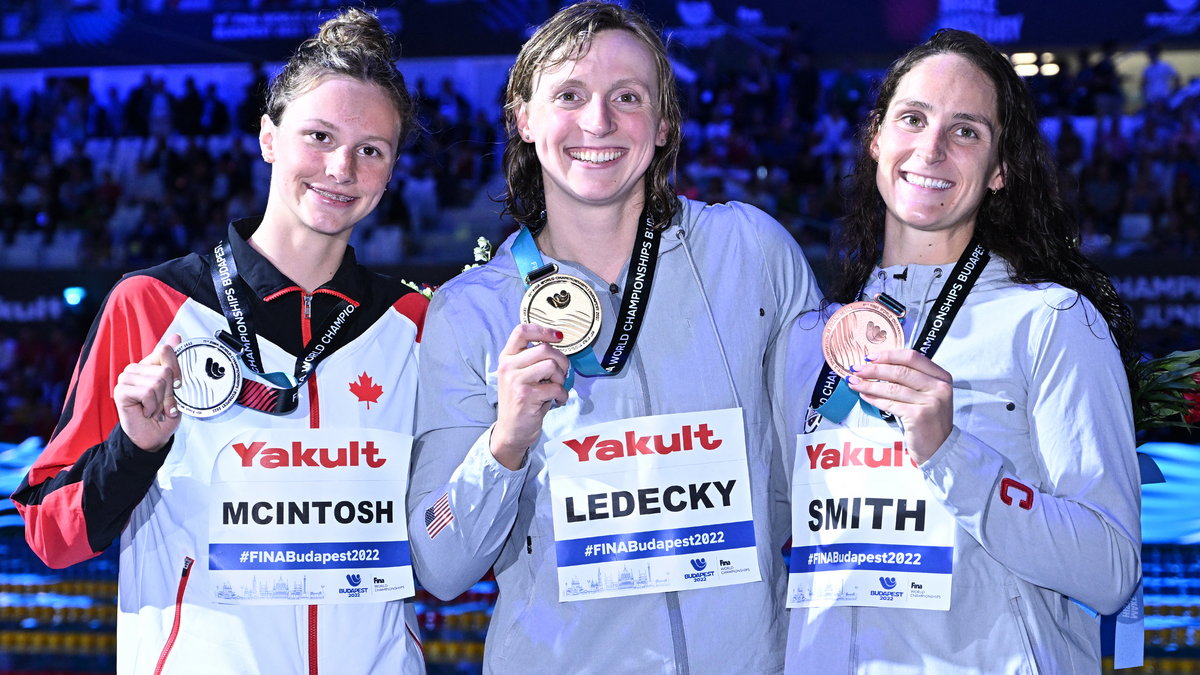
<point>863,343</point>
<point>530,378</point>
<point>918,391</point>
<point>145,397</point>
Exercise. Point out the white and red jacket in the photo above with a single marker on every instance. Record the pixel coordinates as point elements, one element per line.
<point>92,484</point>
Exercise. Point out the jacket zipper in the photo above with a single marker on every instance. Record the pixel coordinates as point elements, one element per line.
<point>674,613</point>
<point>314,421</point>
<point>314,407</point>
<point>183,579</point>
<point>312,640</point>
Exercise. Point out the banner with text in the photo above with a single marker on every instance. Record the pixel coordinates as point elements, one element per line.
<point>865,530</point>
<point>310,517</point>
<point>652,504</point>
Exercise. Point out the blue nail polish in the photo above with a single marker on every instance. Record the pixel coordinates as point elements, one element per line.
<point>853,369</point>
<point>868,358</point>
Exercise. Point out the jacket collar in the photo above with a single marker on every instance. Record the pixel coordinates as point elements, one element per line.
<point>265,281</point>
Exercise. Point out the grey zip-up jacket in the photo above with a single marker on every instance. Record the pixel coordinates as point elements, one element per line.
<point>729,278</point>
<point>1039,472</point>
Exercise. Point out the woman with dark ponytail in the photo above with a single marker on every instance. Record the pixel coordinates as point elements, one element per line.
<point>964,491</point>
<point>241,420</point>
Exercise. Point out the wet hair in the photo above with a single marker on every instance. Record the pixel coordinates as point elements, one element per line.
<point>352,44</point>
<point>567,36</point>
<point>1026,222</point>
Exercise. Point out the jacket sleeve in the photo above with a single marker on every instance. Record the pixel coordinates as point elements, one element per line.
<point>794,365</point>
<point>80,492</point>
<point>1076,531</point>
<point>455,411</point>
<point>789,275</point>
<point>795,290</point>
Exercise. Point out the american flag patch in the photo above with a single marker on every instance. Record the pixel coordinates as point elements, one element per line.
<point>438,516</point>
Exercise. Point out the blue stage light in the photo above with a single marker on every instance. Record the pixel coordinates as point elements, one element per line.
<point>73,295</point>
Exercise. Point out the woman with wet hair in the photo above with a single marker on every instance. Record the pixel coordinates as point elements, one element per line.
<point>239,419</point>
<point>593,421</point>
<point>964,492</point>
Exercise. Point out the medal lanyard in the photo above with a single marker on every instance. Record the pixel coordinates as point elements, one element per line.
<point>284,397</point>
<point>633,301</point>
<point>831,396</point>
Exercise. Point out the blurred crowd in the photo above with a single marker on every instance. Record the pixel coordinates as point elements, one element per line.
<point>139,178</point>
<point>35,368</point>
<point>130,180</point>
<point>144,177</point>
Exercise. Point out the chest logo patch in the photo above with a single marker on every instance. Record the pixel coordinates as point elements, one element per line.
<point>366,390</point>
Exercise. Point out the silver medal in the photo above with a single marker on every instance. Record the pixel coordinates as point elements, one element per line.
<point>211,377</point>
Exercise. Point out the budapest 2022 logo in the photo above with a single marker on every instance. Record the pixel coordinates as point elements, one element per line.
<point>700,575</point>
<point>356,588</point>
<point>887,594</point>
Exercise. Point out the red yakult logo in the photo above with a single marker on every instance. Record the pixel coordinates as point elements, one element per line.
<point>828,457</point>
<point>354,454</point>
<point>687,438</point>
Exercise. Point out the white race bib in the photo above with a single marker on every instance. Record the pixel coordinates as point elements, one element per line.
<point>652,504</point>
<point>310,517</point>
<point>865,530</point>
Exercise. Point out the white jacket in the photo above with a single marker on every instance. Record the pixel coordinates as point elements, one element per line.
<point>1040,397</point>
<point>729,279</point>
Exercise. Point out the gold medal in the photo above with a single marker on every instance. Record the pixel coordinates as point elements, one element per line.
<point>564,303</point>
<point>211,377</point>
<point>858,329</point>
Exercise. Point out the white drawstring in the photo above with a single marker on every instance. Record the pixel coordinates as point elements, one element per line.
<point>682,236</point>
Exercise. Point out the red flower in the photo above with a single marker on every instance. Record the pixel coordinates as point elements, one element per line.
<point>1192,416</point>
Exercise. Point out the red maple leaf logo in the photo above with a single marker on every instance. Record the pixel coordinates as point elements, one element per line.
<point>366,390</point>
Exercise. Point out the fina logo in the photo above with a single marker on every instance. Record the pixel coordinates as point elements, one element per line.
<point>699,564</point>
<point>355,579</point>
<point>888,583</point>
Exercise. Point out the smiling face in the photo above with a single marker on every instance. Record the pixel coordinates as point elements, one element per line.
<point>332,155</point>
<point>937,149</point>
<point>595,125</point>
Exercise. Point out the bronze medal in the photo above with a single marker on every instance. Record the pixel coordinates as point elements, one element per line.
<point>567,304</point>
<point>211,377</point>
<point>858,329</point>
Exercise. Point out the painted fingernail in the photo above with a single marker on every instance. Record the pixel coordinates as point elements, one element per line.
<point>853,369</point>
<point>173,412</point>
<point>161,417</point>
<point>853,380</point>
<point>558,335</point>
<point>869,357</point>
<point>177,384</point>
